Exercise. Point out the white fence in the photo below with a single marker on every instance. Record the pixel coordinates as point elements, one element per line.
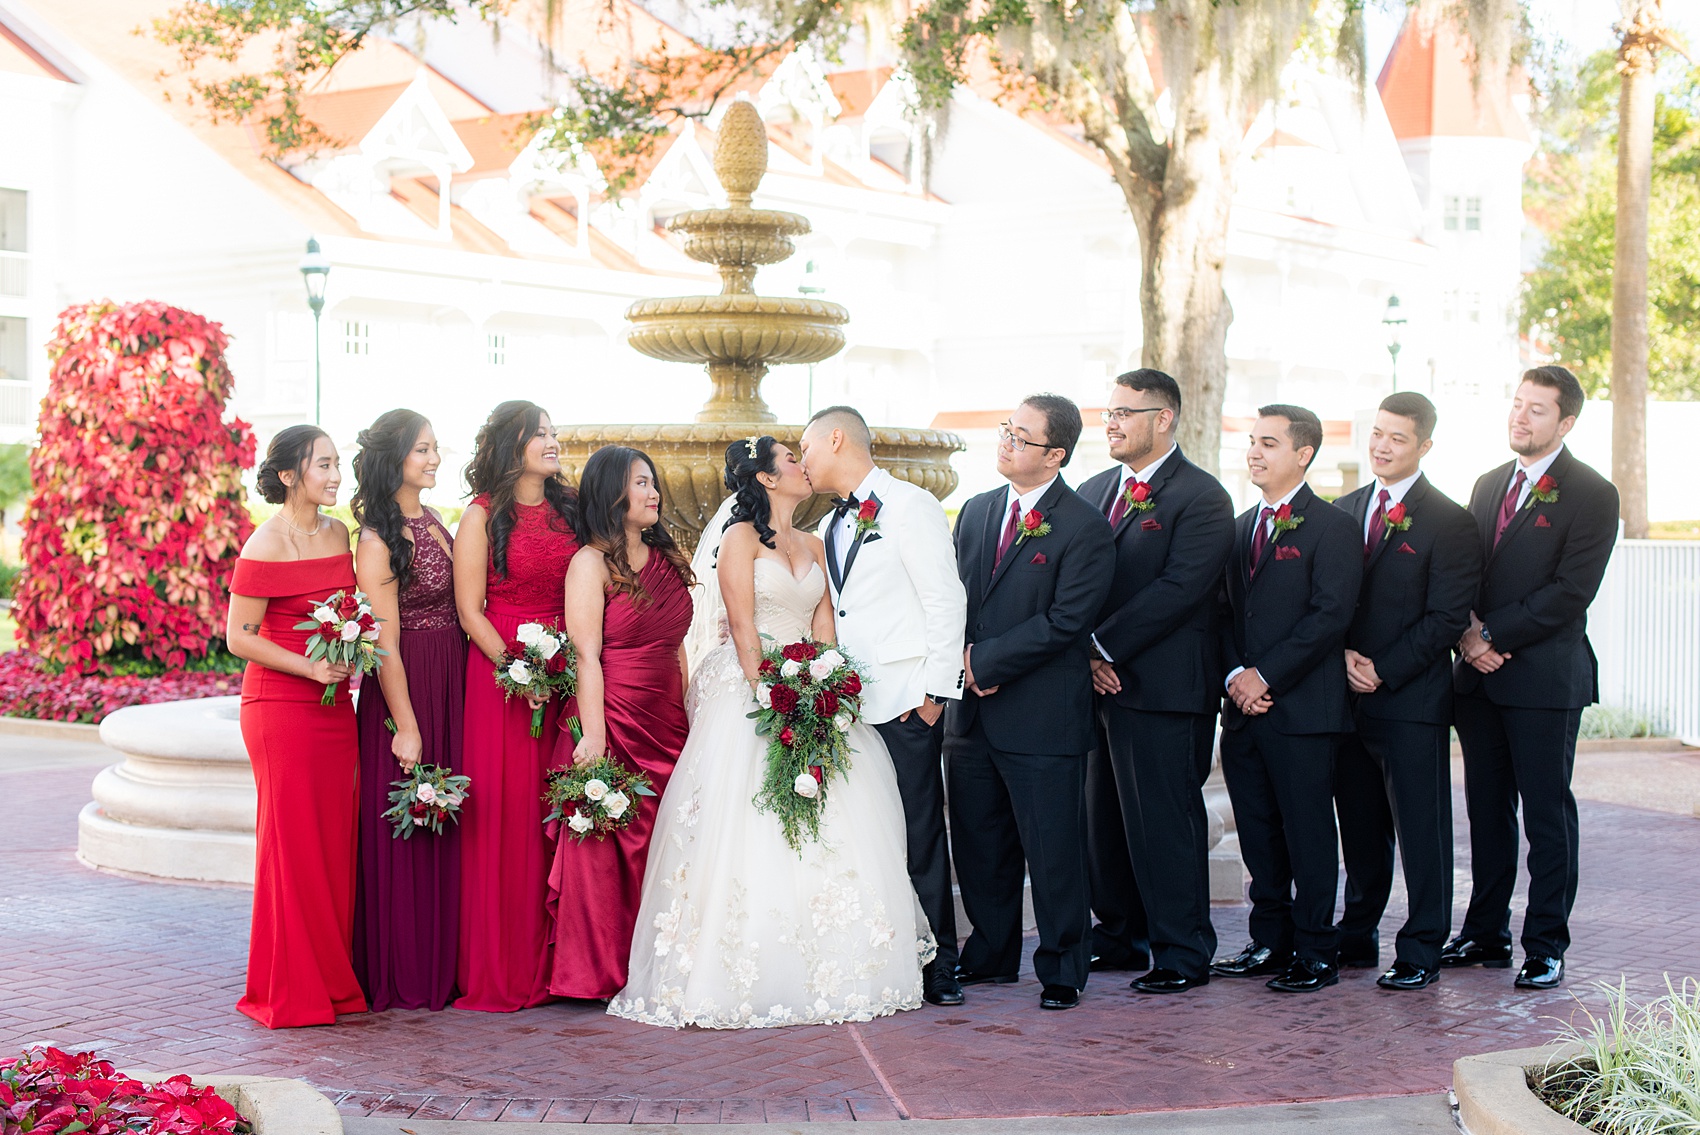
<point>1645,627</point>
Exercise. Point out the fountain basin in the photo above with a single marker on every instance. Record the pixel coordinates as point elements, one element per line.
<point>738,238</point>
<point>737,329</point>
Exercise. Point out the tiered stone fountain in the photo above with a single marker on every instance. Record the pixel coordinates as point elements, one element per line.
<point>737,335</point>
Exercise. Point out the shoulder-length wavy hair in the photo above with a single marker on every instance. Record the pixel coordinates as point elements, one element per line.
<point>603,501</point>
<point>384,448</point>
<point>498,459</point>
<point>744,459</point>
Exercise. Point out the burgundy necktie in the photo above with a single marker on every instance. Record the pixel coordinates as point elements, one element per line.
<point>1508,509</point>
<point>1260,538</point>
<point>1119,508</point>
<point>1377,523</point>
<point>1009,528</point>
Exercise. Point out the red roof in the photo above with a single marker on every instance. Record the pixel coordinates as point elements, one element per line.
<point>1429,88</point>
<point>20,58</point>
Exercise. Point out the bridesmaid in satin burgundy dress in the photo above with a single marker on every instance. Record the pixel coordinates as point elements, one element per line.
<point>407,898</point>
<point>305,755</point>
<point>628,607</point>
<point>510,559</point>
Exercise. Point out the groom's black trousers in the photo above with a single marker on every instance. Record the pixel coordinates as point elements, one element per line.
<point>916,754</point>
<point>1007,810</point>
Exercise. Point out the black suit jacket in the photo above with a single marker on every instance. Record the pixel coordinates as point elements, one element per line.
<point>1290,621</point>
<point>1159,622</point>
<point>1415,601</point>
<point>1537,585</point>
<point>1030,622</point>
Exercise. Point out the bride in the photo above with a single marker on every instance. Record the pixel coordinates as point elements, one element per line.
<point>736,930</point>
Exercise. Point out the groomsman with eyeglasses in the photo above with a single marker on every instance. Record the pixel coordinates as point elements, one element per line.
<point>1422,564</point>
<point>1157,678</point>
<point>1547,525</point>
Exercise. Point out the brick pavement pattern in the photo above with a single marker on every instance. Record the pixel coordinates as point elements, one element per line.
<point>149,975</point>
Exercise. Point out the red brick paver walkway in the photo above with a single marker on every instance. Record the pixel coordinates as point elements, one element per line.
<point>149,974</point>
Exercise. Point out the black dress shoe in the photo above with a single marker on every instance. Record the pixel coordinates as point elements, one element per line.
<point>1305,975</point>
<point>1134,962</point>
<point>939,987</point>
<point>1408,975</point>
<point>1540,973</point>
<point>1059,997</point>
<point>1463,951</point>
<point>1256,960</point>
<point>1361,954</point>
<point>1167,981</point>
<point>969,977</point>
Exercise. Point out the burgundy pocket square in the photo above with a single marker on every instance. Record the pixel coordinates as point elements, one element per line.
<point>1406,549</point>
<point>1541,521</point>
<point>1150,525</point>
<point>1284,553</point>
<point>1038,558</point>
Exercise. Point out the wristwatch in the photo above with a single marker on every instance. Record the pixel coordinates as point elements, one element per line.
<point>1486,637</point>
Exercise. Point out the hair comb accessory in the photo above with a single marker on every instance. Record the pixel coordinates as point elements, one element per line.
<point>750,444</point>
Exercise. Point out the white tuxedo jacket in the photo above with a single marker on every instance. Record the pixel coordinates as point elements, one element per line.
<point>900,605</point>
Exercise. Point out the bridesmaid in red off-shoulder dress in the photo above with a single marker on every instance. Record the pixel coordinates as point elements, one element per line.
<point>628,610</point>
<point>510,557</point>
<point>305,755</point>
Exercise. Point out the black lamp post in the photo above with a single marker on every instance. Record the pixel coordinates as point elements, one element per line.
<point>1394,320</point>
<point>315,273</point>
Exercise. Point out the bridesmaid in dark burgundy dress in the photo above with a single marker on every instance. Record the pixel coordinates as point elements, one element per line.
<point>510,556</point>
<point>304,754</point>
<point>628,608</point>
<point>407,900</point>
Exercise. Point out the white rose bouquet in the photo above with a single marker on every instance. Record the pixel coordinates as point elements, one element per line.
<point>600,798</point>
<point>345,632</point>
<point>424,799</point>
<point>540,663</point>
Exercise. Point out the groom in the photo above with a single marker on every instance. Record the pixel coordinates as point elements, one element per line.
<point>900,612</point>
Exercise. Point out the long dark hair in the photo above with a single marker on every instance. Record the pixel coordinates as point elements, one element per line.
<point>384,447</point>
<point>290,450</point>
<point>498,459</point>
<point>745,459</point>
<point>603,502</point>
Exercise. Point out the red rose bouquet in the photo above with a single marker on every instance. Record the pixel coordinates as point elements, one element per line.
<point>539,663</point>
<point>426,797</point>
<point>345,632</point>
<point>600,798</point>
<point>808,695</point>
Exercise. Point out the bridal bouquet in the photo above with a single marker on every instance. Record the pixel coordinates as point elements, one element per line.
<point>345,633</point>
<point>807,696</point>
<point>600,798</point>
<point>426,797</point>
<point>539,663</point>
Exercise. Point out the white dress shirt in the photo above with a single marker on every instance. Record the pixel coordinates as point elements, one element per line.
<point>1269,531</point>
<point>1029,500</point>
<point>1395,493</point>
<point>846,534</point>
<point>1533,471</point>
<point>1144,474</point>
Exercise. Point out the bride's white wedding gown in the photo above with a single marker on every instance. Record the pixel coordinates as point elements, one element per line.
<point>737,930</point>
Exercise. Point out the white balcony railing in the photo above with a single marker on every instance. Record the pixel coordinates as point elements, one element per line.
<point>1645,627</point>
<point>14,273</point>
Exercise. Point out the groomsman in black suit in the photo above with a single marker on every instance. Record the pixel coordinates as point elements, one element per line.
<point>1291,586</point>
<point>1158,677</point>
<point>1422,564</point>
<point>1036,561</point>
<point>1547,524</point>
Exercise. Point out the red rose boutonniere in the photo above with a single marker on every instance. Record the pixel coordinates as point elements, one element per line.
<point>1545,491</point>
<point>1396,520</point>
<point>1033,524</point>
<point>1137,497</point>
<point>867,517</point>
<point>1285,521</point>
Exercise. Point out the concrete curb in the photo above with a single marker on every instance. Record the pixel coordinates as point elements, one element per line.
<point>1494,1096</point>
<point>53,730</point>
<point>277,1106</point>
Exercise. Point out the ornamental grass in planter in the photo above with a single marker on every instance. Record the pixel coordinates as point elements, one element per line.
<point>1638,1071</point>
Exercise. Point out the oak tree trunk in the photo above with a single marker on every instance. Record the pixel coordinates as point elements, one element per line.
<point>1637,66</point>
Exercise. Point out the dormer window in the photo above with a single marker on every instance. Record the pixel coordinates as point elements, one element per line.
<point>1462,214</point>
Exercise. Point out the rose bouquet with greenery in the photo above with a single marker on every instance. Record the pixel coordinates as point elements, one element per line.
<point>808,695</point>
<point>597,799</point>
<point>539,664</point>
<point>345,633</point>
<point>426,799</point>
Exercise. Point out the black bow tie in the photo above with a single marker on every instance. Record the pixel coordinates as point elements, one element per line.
<point>842,505</point>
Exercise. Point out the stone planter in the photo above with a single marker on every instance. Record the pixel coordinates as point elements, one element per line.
<point>181,805</point>
<point>1494,1097</point>
<point>272,1105</point>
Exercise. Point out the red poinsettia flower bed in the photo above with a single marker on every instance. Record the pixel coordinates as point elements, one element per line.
<point>49,1092</point>
<point>29,689</point>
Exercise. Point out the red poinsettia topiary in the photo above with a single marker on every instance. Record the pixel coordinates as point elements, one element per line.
<point>138,509</point>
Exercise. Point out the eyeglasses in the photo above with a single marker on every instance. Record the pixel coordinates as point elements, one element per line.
<point>1122,413</point>
<point>1019,444</point>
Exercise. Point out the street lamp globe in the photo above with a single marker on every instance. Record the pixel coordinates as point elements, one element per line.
<point>1394,320</point>
<point>316,273</point>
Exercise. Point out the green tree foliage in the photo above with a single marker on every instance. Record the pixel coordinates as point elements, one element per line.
<point>14,476</point>
<point>1571,193</point>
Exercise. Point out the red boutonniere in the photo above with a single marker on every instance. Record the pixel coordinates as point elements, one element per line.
<point>1285,521</point>
<point>1396,520</point>
<point>1033,524</point>
<point>867,517</point>
<point>1545,491</point>
<point>1137,497</point>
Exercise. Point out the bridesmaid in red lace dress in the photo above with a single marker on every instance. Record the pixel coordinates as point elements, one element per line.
<point>510,557</point>
<point>628,608</point>
<point>304,754</point>
<point>407,901</point>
